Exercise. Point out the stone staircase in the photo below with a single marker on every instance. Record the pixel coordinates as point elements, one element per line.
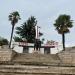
<point>30,64</point>
<point>36,59</point>
<point>62,63</point>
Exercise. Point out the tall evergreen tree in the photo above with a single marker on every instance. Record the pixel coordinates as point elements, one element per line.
<point>27,29</point>
<point>13,17</point>
<point>62,25</point>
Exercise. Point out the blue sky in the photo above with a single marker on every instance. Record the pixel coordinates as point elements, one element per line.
<point>45,11</point>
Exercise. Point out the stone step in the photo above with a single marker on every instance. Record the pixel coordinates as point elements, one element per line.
<point>37,70</point>
<point>24,74</point>
<point>36,59</point>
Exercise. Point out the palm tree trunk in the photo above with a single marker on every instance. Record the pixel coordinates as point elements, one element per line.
<point>11,36</point>
<point>63,41</point>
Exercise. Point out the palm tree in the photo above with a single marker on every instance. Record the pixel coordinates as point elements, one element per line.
<point>62,24</point>
<point>13,17</point>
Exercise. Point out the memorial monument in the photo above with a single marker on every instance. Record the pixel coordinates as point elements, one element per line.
<point>37,43</point>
